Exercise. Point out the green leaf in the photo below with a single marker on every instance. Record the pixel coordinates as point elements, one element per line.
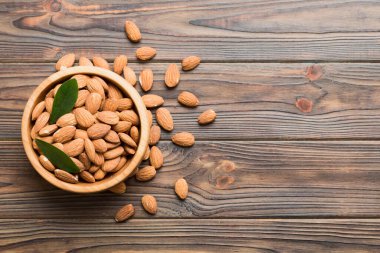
<point>57,157</point>
<point>64,100</point>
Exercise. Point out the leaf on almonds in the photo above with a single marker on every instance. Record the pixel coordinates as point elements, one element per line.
<point>57,157</point>
<point>64,100</point>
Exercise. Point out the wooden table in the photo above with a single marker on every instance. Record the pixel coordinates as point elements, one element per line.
<point>296,85</point>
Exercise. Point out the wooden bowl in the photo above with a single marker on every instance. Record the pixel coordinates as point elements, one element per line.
<point>39,94</point>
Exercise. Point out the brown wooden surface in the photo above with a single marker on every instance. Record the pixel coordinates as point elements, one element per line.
<point>306,177</point>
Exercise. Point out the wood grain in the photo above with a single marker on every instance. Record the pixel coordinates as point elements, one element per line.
<point>253,101</point>
<point>175,235</point>
<point>270,179</point>
<point>337,30</point>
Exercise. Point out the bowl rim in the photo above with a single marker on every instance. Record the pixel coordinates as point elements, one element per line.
<point>119,82</point>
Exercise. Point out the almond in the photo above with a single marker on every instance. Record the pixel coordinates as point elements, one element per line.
<point>82,96</point>
<point>110,104</point>
<point>102,82</point>
<point>93,169</point>
<point>100,145</point>
<point>64,134</point>
<point>120,188</point>
<point>207,117</point>
<point>130,116</point>
<point>146,173</point>
<point>99,159</point>
<point>110,165</point>
<point>125,213</point>
<point>65,176</point>
<point>34,134</point>
<point>145,53</point>
<point>98,130</point>
<point>78,163</point>
<point>120,62</point>
<point>48,130</point>
<point>150,117</point>
<point>172,76</point>
<point>114,92</point>
<point>129,150</point>
<point>100,62</point>
<point>127,140</point>
<point>146,79</point>
<point>99,174</point>
<point>93,102</point>
<point>84,118</point>
<point>108,117</point>
<point>122,126</point>
<point>46,163</point>
<point>134,133</point>
<point>81,80</point>
<point>190,62</point>
<point>67,119</point>
<point>164,119</point>
<point>152,100</point>
<point>124,104</point>
<point>130,75</point>
<point>38,110</point>
<point>80,133</point>
<point>112,137</point>
<point>181,188</point>
<point>188,99</point>
<point>183,139</point>
<point>96,86</point>
<point>58,145</point>
<point>41,121</point>
<point>49,104</point>
<point>146,154</point>
<point>48,139</point>
<point>155,135</point>
<point>121,164</point>
<point>86,176</point>
<point>65,61</point>
<point>132,31</point>
<point>84,61</point>
<point>156,158</point>
<point>85,160</point>
<point>56,88</point>
<point>112,145</point>
<point>113,153</point>
<point>50,94</point>
<point>89,147</point>
<point>149,203</point>
<point>74,147</point>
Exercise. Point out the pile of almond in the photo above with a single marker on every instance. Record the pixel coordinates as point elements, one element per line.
<point>116,124</point>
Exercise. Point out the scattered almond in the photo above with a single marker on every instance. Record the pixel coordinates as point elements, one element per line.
<point>149,203</point>
<point>207,117</point>
<point>146,79</point>
<point>164,119</point>
<point>181,188</point>
<point>152,100</point>
<point>156,158</point>
<point>66,176</point>
<point>155,135</point>
<point>190,62</point>
<point>120,188</point>
<point>146,173</point>
<point>188,99</point>
<point>100,62</point>
<point>172,76</point>
<point>145,53</point>
<point>38,109</point>
<point>65,61</point>
<point>183,139</point>
<point>130,75</point>
<point>132,31</point>
<point>84,61</point>
<point>120,62</point>
<point>125,213</point>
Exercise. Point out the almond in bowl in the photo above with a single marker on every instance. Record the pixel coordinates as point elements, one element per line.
<point>82,142</point>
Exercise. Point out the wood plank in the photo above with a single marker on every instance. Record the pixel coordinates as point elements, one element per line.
<point>194,235</point>
<point>34,31</point>
<point>253,101</point>
<point>270,179</point>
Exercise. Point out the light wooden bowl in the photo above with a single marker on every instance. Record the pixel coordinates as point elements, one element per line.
<point>39,94</point>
